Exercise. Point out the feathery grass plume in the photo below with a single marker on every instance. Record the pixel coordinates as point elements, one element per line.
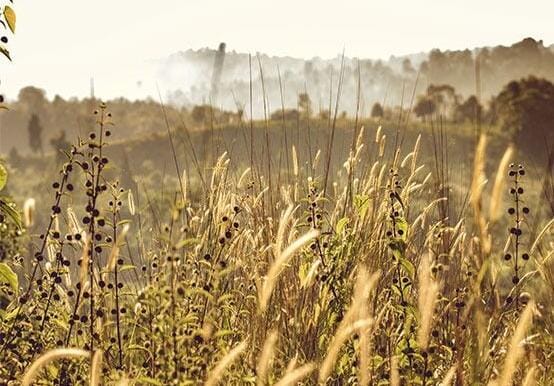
<point>406,160</point>
<point>265,358</point>
<point>310,276</point>
<point>29,212</point>
<point>284,221</point>
<point>277,266</point>
<point>364,369</point>
<point>114,254</point>
<point>215,375</point>
<point>183,181</point>
<point>341,336</point>
<point>123,382</point>
<point>73,222</point>
<point>539,237</point>
<point>131,202</point>
<point>294,161</point>
<point>529,379</point>
<point>293,377</point>
<point>382,143</point>
<point>449,377</point>
<point>499,182</point>
<point>360,138</point>
<point>515,350</point>
<point>292,364</point>
<point>378,134</point>
<point>394,372</point>
<point>427,298</point>
<point>47,358</point>
<point>477,185</point>
<point>415,153</point>
<point>421,219</point>
<point>317,157</point>
<point>350,322</point>
<point>51,249</point>
<point>96,368</point>
<point>242,178</point>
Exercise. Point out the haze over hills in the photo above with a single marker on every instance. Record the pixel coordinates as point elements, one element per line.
<point>187,76</point>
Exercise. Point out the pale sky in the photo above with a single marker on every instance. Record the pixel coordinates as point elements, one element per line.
<point>60,44</point>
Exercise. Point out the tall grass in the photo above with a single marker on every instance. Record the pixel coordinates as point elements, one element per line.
<point>354,277</point>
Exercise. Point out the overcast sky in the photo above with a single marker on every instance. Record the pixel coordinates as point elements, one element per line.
<point>60,44</point>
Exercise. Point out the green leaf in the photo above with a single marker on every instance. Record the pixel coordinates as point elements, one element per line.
<point>402,225</point>
<point>223,333</point>
<point>9,15</point>
<point>398,248</point>
<point>123,222</point>
<point>3,177</point>
<point>126,267</point>
<point>8,315</point>
<point>149,381</point>
<point>5,51</point>
<point>362,204</point>
<point>186,243</point>
<point>408,267</point>
<point>8,276</point>
<point>341,224</point>
<point>10,212</point>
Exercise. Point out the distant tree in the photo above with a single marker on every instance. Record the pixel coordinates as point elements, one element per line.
<point>289,115</point>
<point>469,110</point>
<point>200,114</point>
<point>407,67</point>
<point>424,107</point>
<point>324,115</point>
<point>445,98</point>
<point>33,99</point>
<point>35,134</point>
<point>14,157</point>
<point>377,111</point>
<point>304,104</point>
<point>525,108</point>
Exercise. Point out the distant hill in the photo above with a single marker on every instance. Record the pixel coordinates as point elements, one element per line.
<point>186,80</point>
<point>187,75</point>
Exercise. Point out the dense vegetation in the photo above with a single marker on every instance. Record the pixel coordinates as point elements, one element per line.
<point>364,276</point>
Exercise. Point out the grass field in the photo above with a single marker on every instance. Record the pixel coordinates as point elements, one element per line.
<point>347,254</point>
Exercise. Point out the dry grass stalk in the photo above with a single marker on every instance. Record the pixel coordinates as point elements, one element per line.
<point>215,375</point>
<point>293,377</point>
<point>47,358</point>
<point>499,182</point>
<point>342,334</point>
<point>477,186</point>
<point>265,358</point>
<point>277,266</point>
<point>529,379</point>
<point>96,368</point>
<point>515,350</point>
<point>449,377</point>
<point>131,202</point>
<point>350,323</point>
<point>114,254</point>
<point>29,212</point>
<point>394,373</point>
<point>427,297</point>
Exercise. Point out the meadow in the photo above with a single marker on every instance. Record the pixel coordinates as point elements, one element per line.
<point>360,253</point>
